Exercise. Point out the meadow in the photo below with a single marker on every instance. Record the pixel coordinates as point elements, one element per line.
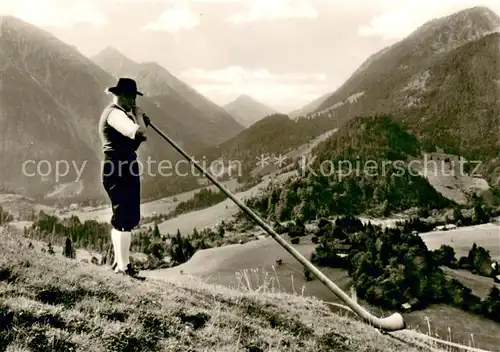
<point>253,265</point>
<point>52,303</point>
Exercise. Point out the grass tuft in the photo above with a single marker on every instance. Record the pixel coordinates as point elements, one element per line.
<point>6,274</point>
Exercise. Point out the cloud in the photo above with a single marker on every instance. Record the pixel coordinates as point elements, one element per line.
<point>288,90</point>
<point>238,74</point>
<point>185,1</point>
<point>179,17</point>
<point>397,19</point>
<point>54,13</point>
<point>262,10</point>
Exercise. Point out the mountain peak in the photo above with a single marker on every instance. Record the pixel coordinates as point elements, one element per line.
<point>247,110</point>
<point>113,54</point>
<point>110,51</point>
<point>478,15</point>
<point>113,61</point>
<point>479,10</point>
<point>13,21</point>
<point>245,98</point>
<point>15,27</point>
<point>452,31</point>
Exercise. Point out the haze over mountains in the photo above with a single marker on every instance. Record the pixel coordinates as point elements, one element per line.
<point>442,82</point>
<point>52,98</point>
<point>309,108</point>
<point>247,111</point>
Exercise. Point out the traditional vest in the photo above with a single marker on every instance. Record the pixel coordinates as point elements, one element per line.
<point>111,139</point>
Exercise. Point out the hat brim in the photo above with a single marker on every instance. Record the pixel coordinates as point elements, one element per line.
<point>116,91</point>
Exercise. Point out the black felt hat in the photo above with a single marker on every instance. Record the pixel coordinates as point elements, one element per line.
<point>125,86</point>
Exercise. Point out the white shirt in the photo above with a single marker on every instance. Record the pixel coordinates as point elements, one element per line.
<point>120,121</point>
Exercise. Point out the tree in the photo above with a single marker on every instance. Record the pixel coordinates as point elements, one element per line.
<point>494,294</point>
<point>220,230</point>
<point>445,255</point>
<point>338,233</point>
<point>457,215</point>
<point>50,250</point>
<point>156,250</point>
<point>482,261</point>
<point>491,305</point>
<point>472,254</point>
<point>188,250</point>
<point>480,216</point>
<point>195,234</point>
<point>307,274</point>
<point>423,212</point>
<point>156,231</point>
<point>68,251</point>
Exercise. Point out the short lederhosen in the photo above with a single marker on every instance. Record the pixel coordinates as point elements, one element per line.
<point>121,180</point>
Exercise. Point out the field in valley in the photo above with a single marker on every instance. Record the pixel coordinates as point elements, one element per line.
<point>451,181</point>
<point>254,263</point>
<point>480,285</point>
<point>18,205</point>
<point>462,239</point>
<point>211,216</point>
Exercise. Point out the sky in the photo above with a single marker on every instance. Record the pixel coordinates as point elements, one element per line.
<point>284,53</point>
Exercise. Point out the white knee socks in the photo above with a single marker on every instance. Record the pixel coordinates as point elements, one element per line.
<point>126,239</point>
<point>116,240</point>
<point>121,245</point>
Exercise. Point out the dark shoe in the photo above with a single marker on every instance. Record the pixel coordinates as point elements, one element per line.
<point>130,271</point>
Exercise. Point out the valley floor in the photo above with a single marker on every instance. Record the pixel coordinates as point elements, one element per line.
<point>253,265</point>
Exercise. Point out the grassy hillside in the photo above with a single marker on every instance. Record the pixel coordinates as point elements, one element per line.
<point>56,304</point>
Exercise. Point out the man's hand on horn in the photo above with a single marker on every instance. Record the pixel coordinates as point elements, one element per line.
<point>140,134</point>
<point>138,112</point>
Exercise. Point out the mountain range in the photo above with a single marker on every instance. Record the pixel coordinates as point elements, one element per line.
<point>247,111</point>
<point>52,98</point>
<point>442,83</point>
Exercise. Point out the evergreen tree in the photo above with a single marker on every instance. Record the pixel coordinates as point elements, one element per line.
<point>68,249</point>
<point>156,251</point>
<point>53,235</point>
<point>457,215</point>
<point>188,250</point>
<point>50,250</point>
<point>221,231</point>
<point>156,231</point>
<point>195,234</point>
